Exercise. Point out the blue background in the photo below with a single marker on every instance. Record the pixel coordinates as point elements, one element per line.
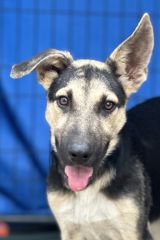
<point>86,28</point>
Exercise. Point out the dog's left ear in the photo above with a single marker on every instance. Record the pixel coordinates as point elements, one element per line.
<point>130,60</point>
<point>49,65</point>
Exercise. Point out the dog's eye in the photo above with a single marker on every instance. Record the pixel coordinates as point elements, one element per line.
<point>109,106</point>
<point>63,101</point>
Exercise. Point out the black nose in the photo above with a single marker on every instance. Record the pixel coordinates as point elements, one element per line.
<point>79,153</point>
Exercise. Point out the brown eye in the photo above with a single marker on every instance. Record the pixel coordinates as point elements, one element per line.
<point>63,101</point>
<point>109,105</point>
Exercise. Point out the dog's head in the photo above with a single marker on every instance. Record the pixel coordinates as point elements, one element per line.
<point>87,100</point>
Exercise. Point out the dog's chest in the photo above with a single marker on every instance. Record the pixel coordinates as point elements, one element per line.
<point>87,207</point>
<point>94,211</point>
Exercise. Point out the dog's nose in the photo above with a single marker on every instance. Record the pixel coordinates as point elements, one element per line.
<point>79,153</point>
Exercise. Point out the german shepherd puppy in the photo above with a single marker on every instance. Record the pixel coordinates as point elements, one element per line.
<point>104,181</point>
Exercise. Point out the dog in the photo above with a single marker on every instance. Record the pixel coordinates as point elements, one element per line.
<point>104,180</point>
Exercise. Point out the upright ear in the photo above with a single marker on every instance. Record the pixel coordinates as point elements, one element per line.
<point>130,60</point>
<point>48,64</point>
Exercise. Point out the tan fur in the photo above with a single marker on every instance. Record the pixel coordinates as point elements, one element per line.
<point>155,230</point>
<point>133,55</point>
<point>45,79</point>
<point>103,218</point>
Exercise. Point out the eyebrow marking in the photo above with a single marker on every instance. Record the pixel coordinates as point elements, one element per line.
<point>62,92</point>
<point>112,97</point>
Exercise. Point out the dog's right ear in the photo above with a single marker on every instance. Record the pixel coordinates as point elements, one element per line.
<point>48,65</point>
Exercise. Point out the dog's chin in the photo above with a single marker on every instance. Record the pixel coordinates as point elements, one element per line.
<point>77,177</point>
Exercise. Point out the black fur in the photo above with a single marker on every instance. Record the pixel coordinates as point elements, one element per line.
<point>146,120</point>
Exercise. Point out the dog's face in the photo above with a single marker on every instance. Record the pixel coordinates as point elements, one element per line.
<point>85,111</point>
<point>87,99</point>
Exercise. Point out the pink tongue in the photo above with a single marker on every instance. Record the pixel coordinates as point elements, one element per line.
<point>78,177</point>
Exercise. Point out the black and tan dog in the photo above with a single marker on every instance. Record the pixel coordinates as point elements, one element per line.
<point>104,183</point>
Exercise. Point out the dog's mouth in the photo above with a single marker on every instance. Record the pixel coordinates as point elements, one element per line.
<point>78,177</point>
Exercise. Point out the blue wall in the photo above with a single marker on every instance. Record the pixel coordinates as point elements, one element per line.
<point>87,28</point>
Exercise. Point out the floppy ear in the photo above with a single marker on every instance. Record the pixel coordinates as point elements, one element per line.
<point>130,60</point>
<point>48,64</point>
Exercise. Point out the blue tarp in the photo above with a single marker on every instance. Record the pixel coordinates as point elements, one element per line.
<point>87,28</point>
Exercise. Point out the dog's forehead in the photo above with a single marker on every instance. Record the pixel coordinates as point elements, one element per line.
<point>90,69</point>
<point>92,63</point>
<point>88,75</point>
